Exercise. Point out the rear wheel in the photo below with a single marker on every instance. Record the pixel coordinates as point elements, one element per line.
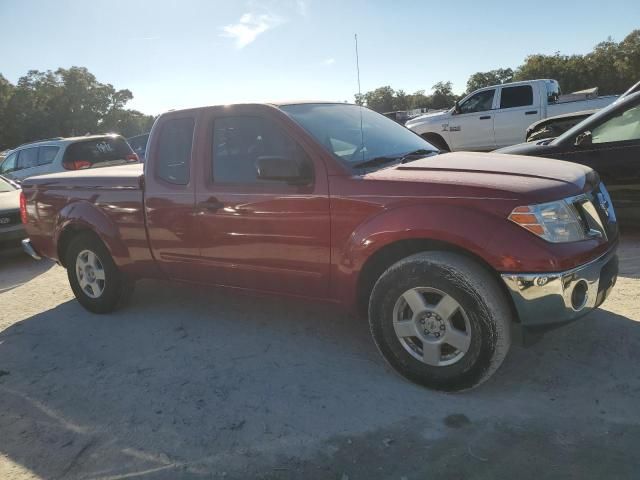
<point>95,279</point>
<point>440,320</point>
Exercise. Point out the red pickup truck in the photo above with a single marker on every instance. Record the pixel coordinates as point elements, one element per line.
<point>447,254</point>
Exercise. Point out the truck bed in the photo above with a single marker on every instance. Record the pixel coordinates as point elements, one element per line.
<point>113,198</point>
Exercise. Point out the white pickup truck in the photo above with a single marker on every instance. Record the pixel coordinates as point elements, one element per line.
<point>498,116</point>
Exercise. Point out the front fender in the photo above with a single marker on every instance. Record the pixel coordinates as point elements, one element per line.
<point>459,226</point>
<point>84,215</point>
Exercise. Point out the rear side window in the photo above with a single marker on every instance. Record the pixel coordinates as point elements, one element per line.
<point>521,96</point>
<point>174,150</point>
<point>98,152</point>
<point>28,158</point>
<point>46,155</point>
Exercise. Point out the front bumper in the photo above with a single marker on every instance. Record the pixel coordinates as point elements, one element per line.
<point>544,300</point>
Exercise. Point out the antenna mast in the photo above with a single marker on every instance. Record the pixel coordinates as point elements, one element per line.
<point>362,147</point>
<point>358,67</point>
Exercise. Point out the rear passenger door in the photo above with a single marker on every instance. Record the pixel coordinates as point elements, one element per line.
<point>261,234</point>
<point>519,107</point>
<point>170,197</point>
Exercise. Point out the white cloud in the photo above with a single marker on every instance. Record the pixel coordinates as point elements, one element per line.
<point>250,25</point>
<point>329,61</point>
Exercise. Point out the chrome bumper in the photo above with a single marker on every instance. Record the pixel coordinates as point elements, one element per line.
<point>29,250</point>
<point>545,299</point>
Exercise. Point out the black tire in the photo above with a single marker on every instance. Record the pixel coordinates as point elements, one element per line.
<point>117,288</point>
<point>479,297</point>
<point>437,141</point>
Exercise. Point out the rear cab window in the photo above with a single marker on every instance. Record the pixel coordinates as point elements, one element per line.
<point>98,152</point>
<point>520,96</point>
<point>174,150</point>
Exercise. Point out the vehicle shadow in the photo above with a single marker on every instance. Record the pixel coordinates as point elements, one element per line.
<point>190,383</point>
<point>16,268</point>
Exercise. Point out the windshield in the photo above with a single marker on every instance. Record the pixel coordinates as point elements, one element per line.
<point>594,119</point>
<point>337,127</point>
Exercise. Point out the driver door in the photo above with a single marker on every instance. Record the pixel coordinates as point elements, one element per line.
<point>258,234</point>
<point>471,128</point>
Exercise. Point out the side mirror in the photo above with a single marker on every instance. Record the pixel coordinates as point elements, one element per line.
<point>583,139</point>
<point>283,169</point>
<point>456,108</point>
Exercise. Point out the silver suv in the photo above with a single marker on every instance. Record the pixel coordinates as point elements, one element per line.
<point>60,154</point>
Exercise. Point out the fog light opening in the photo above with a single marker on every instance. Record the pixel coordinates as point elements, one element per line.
<point>579,295</point>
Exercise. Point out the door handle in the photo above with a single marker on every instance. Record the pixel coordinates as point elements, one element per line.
<point>485,117</point>
<point>212,205</point>
<point>531,112</point>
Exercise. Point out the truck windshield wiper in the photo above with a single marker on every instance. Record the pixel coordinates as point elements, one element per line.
<point>374,162</point>
<point>414,155</point>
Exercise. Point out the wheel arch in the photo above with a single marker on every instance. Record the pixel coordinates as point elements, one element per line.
<point>82,217</point>
<point>393,252</point>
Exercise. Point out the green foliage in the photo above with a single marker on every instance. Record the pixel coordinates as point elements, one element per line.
<point>64,103</point>
<point>486,79</point>
<point>386,99</point>
<point>611,66</point>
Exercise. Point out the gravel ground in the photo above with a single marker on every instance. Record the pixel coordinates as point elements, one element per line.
<point>190,383</point>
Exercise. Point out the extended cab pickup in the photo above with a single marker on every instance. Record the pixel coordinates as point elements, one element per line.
<point>446,254</point>
<point>498,116</point>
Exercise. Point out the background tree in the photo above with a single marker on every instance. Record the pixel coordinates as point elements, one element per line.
<point>64,103</point>
<point>486,79</point>
<point>611,66</point>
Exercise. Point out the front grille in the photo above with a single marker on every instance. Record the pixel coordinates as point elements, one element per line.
<point>596,213</point>
<point>9,218</point>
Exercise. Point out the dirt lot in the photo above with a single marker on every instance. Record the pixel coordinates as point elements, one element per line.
<point>188,383</point>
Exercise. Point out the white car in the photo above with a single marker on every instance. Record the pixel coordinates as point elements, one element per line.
<point>60,154</point>
<point>498,116</point>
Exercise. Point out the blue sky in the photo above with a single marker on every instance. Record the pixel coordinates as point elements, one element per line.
<point>175,54</point>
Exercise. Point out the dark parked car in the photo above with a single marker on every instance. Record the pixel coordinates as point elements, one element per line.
<point>608,142</point>
<point>11,228</point>
<point>555,126</point>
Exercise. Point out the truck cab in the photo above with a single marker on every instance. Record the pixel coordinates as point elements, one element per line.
<point>498,116</point>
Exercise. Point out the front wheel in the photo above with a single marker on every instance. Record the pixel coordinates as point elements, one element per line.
<point>440,320</point>
<point>95,279</point>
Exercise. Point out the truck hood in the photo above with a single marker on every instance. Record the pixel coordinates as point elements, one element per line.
<point>428,118</point>
<point>490,176</point>
<point>118,177</point>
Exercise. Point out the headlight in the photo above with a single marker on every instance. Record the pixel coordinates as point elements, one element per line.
<point>554,221</point>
